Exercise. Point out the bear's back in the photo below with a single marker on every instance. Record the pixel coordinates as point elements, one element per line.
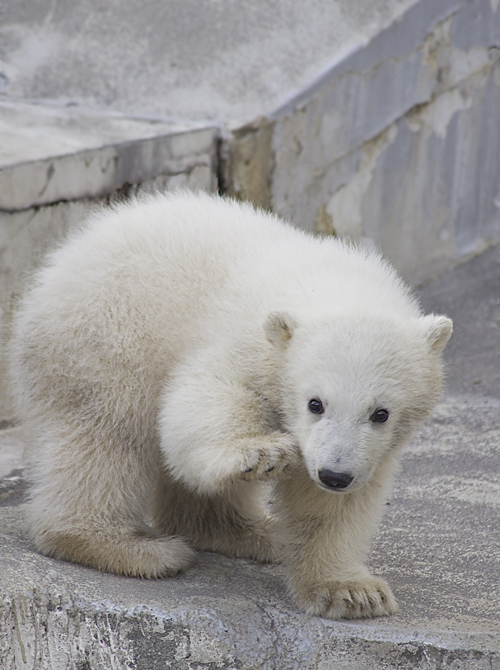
<point>124,299</point>
<point>121,301</point>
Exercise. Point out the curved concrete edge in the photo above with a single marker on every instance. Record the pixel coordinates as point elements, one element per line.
<point>57,633</point>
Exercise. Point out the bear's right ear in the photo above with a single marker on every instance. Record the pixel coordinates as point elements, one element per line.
<point>438,331</point>
<point>279,327</point>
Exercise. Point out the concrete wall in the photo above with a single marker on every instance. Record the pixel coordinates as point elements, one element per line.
<point>397,146</point>
<point>377,121</point>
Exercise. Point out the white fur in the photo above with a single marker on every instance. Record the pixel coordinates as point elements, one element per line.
<point>163,362</point>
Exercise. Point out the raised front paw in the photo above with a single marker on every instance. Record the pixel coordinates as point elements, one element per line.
<point>269,456</point>
<point>353,599</point>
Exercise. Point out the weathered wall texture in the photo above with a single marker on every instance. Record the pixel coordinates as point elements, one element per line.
<point>397,146</point>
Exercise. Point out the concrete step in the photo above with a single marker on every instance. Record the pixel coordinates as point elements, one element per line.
<point>438,545</point>
<point>50,153</point>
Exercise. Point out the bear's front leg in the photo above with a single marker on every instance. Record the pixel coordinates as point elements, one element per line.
<point>216,432</point>
<point>327,538</point>
<point>219,440</point>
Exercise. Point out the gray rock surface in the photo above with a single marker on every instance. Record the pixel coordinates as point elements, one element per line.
<point>439,546</point>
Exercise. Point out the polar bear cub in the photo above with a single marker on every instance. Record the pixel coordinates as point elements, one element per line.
<point>182,351</point>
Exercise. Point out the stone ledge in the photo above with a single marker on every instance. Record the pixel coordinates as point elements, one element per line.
<point>54,153</point>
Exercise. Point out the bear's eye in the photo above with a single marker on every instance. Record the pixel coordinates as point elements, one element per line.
<point>379,416</point>
<point>315,406</point>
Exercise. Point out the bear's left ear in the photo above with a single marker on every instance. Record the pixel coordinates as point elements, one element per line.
<point>279,327</point>
<point>437,330</point>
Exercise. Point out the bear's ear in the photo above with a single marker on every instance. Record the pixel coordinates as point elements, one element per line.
<point>279,327</point>
<point>437,330</point>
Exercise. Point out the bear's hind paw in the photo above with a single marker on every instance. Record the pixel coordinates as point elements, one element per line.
<point>161,557</point>
<point>128,554</point>
<point>353,599</point>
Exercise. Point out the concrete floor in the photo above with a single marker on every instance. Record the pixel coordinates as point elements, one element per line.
<point>470,295</point>
<point>439,546</point>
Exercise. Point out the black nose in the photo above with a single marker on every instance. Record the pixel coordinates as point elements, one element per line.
<point>335,480</point>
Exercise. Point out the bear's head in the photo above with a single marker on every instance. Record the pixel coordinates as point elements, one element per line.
<point>354,387</point>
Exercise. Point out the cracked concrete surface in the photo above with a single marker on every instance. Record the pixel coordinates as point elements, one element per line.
<point>398,143</point>
<point>438,545</point>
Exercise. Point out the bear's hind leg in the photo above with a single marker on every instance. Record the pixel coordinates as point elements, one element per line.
<point>235,523</point>
<point>88,505</point>
<point>123,551</point>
